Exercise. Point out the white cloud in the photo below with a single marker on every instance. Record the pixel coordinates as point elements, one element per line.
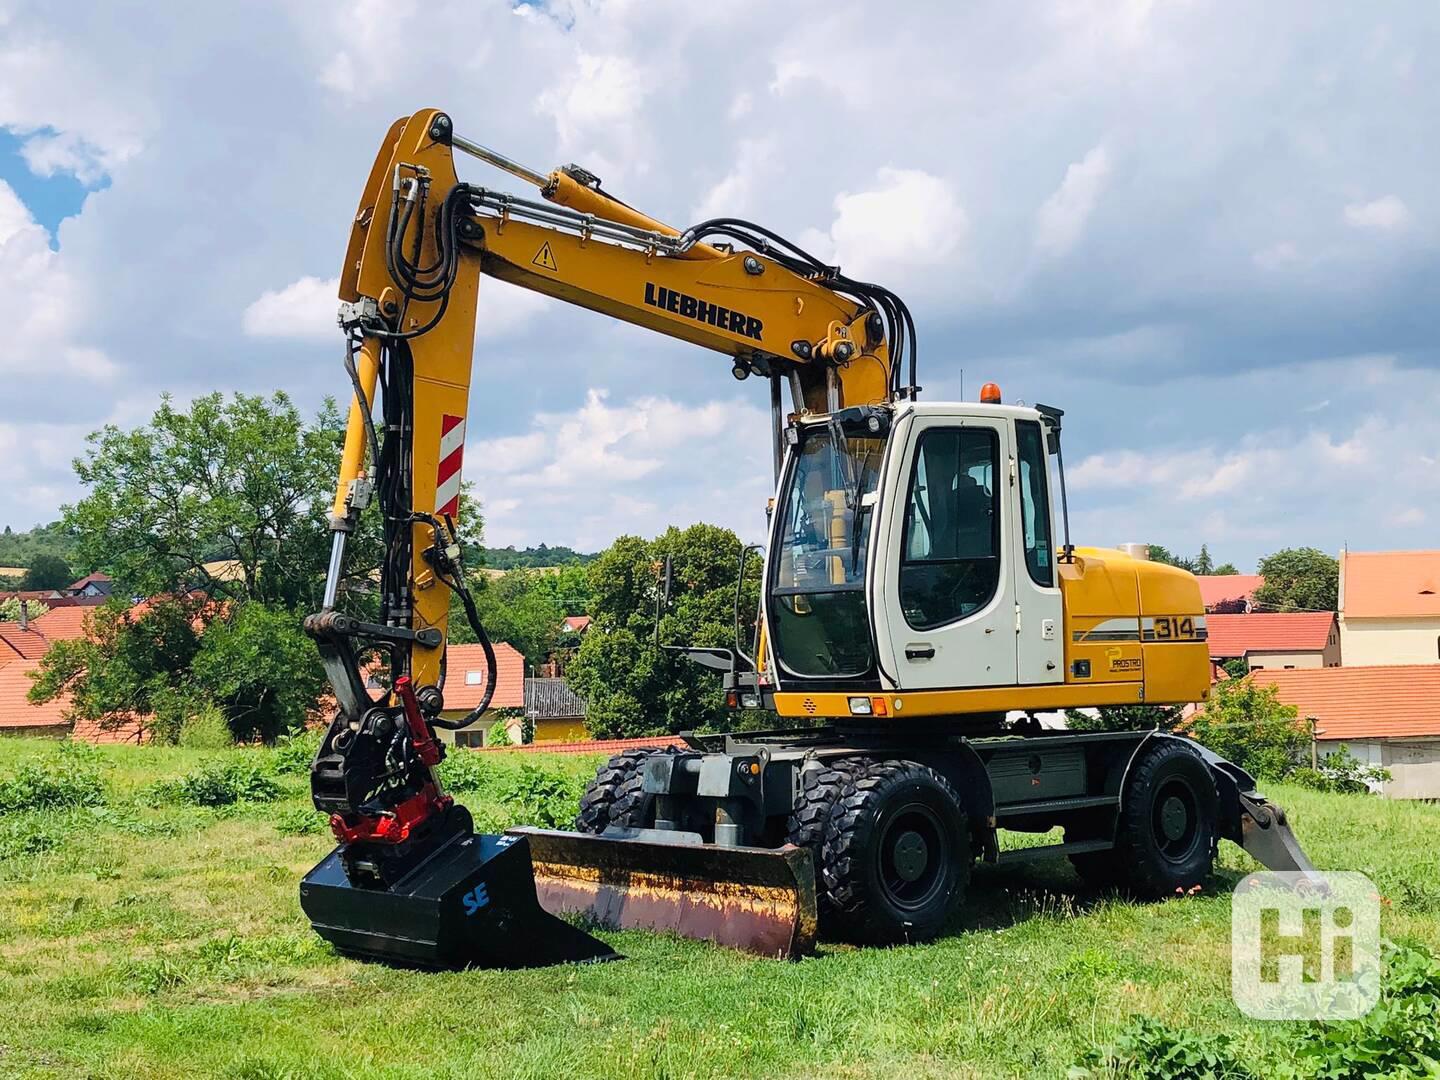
<point>1061,219</point>
<point>584,476</point>
<point>908,221</point>
<point>1386,213</point>
<point>1276,256</point>
<point>733,195</point>
<point>596,107</point>
<point>304,309</point>
<point>40,302</point>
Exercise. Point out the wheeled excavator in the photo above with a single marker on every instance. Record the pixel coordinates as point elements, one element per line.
<point>921,603</point>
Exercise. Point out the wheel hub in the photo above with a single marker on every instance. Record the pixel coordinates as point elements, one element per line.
<point>1174,818</point>
<point>912,855</point>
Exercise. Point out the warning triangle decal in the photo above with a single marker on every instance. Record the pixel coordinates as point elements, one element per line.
<point>544,257</point>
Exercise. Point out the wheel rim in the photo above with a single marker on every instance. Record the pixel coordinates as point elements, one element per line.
<point>912,856</point>
<point>1175,819</point>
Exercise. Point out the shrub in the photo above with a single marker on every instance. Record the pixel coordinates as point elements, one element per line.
<point>540,797</point>
<point>221,783</point>
<point>206,730</point>
<point>69,779</point>
<point>1252,727</point>
<point>1341,772</point>
<point>498,735</point>
<point>293,754</point>
<point>1123,718</point>
<point>462,770</point>
<point>301,821</point>
<point>1398,1038</point>
<point>1148,1050</point>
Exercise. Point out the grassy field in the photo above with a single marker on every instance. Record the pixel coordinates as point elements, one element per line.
<point>165,940</point>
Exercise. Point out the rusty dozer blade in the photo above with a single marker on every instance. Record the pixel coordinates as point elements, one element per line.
<point>470,904</point>
<point>761,900</point>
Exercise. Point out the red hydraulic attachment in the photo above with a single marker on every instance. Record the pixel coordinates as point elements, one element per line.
<point>396,826</point>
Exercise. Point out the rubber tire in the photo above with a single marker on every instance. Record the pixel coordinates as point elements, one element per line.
<point>857,903</point>
<point>615,796</point>
<point>820,793</point>
<point>1136,864</point>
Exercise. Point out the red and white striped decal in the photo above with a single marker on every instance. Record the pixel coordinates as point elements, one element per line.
<point>447,476</point>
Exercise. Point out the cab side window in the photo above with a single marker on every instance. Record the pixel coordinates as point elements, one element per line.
<point>950,562</point>
<point>1035,502</point>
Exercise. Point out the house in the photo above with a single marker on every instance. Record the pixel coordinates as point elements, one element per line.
<point>1228,593</point>
<point>465,685</point>
<point>555,712</point>
<point>1390,607</point>
<point>1290,639</point>
<point>575,624</point>
<point>1387,715</point>
<point>96,584</point>
<point>17,715</point>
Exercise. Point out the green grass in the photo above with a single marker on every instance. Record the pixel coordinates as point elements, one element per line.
<point>143,940</point>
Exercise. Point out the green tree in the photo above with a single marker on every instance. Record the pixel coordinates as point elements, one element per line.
<point>1225,569</point>
<point>10,609</point>
<point>1203,563</point>
<point>1299,579</point>
<point>1124,718</point>
<point>1162,554</point>
<point>47,572</point>
<point>519,608</point>
<point>1251,726</point>
<point>632,687</point>
<point>242,480</point>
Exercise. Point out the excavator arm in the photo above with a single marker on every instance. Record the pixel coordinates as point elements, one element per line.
<point>419,243</point>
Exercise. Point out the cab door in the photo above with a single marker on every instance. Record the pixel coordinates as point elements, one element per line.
<point>1040,625</point>
<point>947,589</point>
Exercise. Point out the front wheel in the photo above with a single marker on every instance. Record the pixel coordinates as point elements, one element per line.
<point>1168,829</point>
<point>896,857</point>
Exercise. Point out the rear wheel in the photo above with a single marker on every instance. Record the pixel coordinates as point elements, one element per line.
<point>616,795</point>
<point>896,857</point>
<point>1167,833</point>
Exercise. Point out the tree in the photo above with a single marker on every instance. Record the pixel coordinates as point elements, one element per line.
<point>242,480</point>
<point>632,687</point>
<point>1225,569</point>
<point>1161,554</point>
<point>1124,718</point>
<point>519,608</point>
<point>1203,563</point>
<point>1299,579</point>
<point>10,609</point>
<point>1251,726</point>
<point>47,572</point>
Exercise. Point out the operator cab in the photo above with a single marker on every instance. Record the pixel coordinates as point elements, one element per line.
<point>915,548</point>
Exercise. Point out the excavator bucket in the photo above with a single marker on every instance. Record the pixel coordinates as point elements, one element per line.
<point>470,904</point>
<point>760,900</point>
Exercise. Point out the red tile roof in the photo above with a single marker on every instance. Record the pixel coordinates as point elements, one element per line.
<point>63,623</point>
<point>1216,589</point>
<point>18,644</point>
<point>97,578</point>
<point>1362,702</point>
<point>465,677</point>
<point>16,711</point>
<point>576,624</point>
<point>598,746</point>
<point>1388,583</point>
<point>1291,631</point>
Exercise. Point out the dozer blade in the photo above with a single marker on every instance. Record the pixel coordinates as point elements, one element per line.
<point>756,899</point>
<point>470,904</point>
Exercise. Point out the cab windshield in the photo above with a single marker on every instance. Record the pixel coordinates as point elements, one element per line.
<point>820,623</point>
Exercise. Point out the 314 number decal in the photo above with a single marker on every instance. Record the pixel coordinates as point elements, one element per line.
<point>1175,628</point>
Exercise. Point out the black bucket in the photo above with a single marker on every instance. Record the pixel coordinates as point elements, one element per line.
<point>470,904</point>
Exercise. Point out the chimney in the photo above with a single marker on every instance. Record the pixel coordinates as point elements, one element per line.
<point>24,615</point>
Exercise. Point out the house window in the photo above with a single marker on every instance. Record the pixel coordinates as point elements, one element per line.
<point>474,678</point>
<point>470,738</point>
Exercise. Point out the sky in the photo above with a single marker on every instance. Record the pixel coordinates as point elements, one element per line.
<point>1210,232</point>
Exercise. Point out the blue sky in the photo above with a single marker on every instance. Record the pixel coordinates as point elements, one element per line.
<point>1210,233</point>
